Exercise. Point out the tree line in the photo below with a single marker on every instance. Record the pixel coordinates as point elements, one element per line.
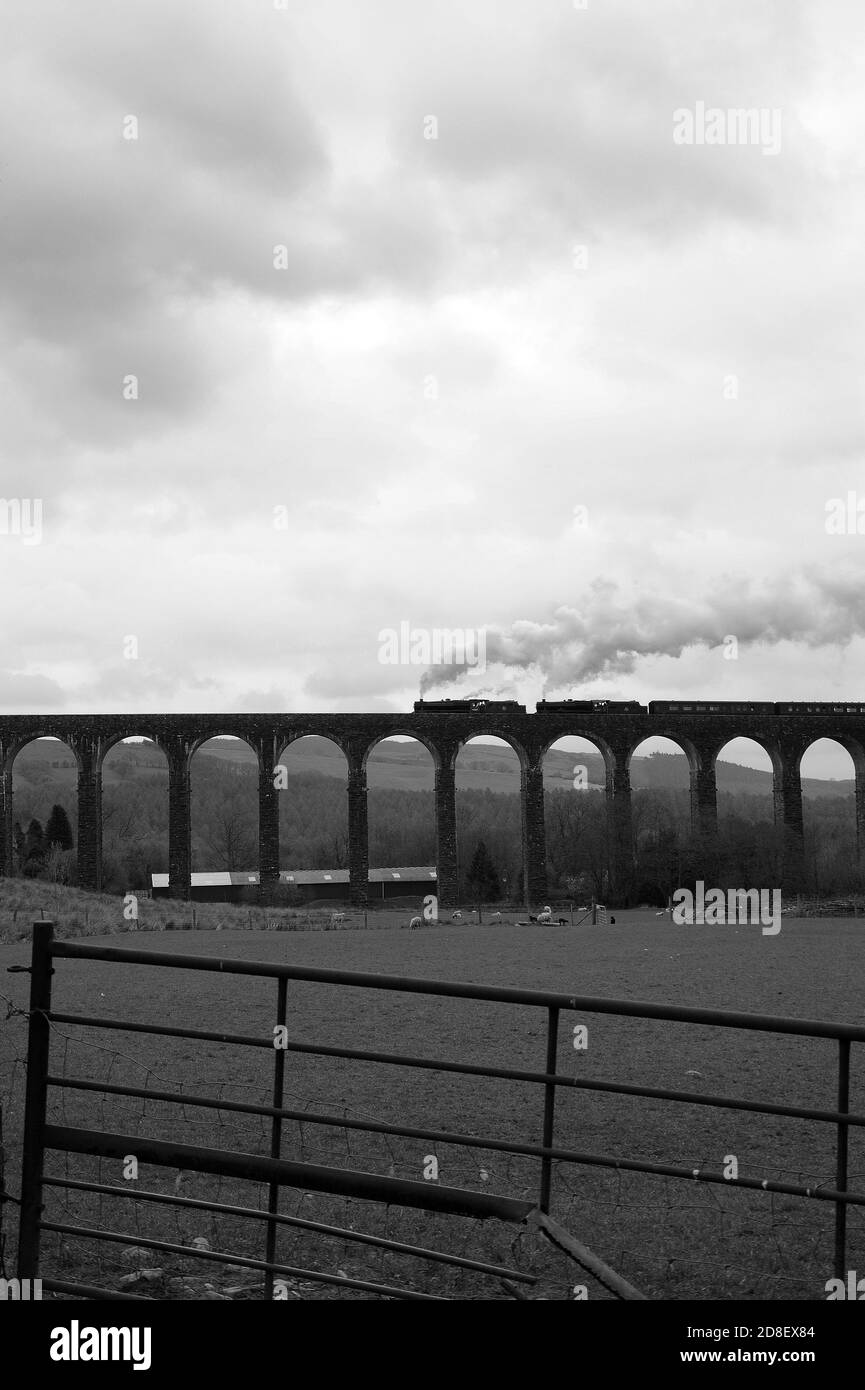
<point>44,851</point>
<point>314,835</point>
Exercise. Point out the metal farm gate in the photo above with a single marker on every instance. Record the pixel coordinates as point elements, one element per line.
<point>276,1172</point>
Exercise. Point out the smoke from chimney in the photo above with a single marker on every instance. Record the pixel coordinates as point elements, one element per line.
<point>608,633</point>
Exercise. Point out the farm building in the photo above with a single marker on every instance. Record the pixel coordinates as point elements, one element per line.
<point>312,884</point>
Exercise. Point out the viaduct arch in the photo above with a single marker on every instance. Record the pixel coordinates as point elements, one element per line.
<point>701,736</point>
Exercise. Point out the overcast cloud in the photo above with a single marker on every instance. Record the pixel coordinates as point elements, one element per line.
<point>400,423</point>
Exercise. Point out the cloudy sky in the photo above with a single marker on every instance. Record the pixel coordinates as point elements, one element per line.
<point>325,316</point>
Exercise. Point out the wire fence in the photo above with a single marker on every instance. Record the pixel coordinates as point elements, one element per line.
<point>669,1236</point>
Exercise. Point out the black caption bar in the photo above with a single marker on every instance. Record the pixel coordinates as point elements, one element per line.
<point>58,1338</point>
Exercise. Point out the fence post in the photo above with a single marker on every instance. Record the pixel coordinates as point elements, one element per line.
<point>549,1107</point>
<point>276,1135</point>
<point>36,1094</point>
<point>2,1196</point>
<point>841,1158</point>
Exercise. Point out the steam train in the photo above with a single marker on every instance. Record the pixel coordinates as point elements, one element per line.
<point>467,706</point>
<point>655,707</point>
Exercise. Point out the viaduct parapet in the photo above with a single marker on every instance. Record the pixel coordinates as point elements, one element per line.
<point>701,736</point>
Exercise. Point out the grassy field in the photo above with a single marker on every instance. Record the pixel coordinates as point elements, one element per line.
<point>673,1239</point>
<point>79,913</point>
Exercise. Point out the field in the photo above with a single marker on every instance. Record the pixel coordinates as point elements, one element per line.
<point>672,1239</point>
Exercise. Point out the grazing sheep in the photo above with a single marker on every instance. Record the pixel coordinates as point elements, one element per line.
<point>415,922</point>
<point>456,916</point>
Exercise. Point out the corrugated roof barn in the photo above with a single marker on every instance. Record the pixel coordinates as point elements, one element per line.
<point>232,886</point>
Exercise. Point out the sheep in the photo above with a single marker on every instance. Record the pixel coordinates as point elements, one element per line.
<point>415,922</point>
<point>336,918</point>
<point>545,916</point>
<point>456,916</point>
<point>495,916</point>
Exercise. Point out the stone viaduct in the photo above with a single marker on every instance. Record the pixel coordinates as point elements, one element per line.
<point>700,736</point>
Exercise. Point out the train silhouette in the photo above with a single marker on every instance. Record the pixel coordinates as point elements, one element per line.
<point>467,706</point>
<point>634,707</point>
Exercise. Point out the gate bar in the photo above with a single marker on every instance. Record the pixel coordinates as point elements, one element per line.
<point>399,1247</point>
<point>310,1177</point>
<point>630,1008</point>
<point>566,1155</point>
<point>93,1291</point>
<point>549,1107</point>
<point>36,1097</point>
<point>276,1133</point>
<point>793,1112</point>
<point>244,1261</point>
<point>841,1157</point>
<point>586,1257</point>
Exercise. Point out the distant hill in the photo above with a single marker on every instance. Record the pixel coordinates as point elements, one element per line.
<point>407,767</point>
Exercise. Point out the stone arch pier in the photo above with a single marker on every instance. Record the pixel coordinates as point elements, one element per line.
<point>617,733</point>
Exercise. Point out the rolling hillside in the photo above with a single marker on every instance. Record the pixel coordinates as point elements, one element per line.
<point>408,767</point>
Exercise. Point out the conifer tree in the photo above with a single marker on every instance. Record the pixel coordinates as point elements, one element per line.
<point>34,843</point>
<point>482,879</point>
<point>58,831</point>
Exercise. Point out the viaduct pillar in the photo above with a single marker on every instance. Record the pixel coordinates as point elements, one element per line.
<point>7,838</point>
<point>268,822</point>
<point>620,828</point>
<point>704,815</point>
<point>788,820</point>
<point>89,812</point>
<point>446,830</point>
<point>534,833</point>
<point>860,817</point>
<point>179,826</point>
<point>358,839</point>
